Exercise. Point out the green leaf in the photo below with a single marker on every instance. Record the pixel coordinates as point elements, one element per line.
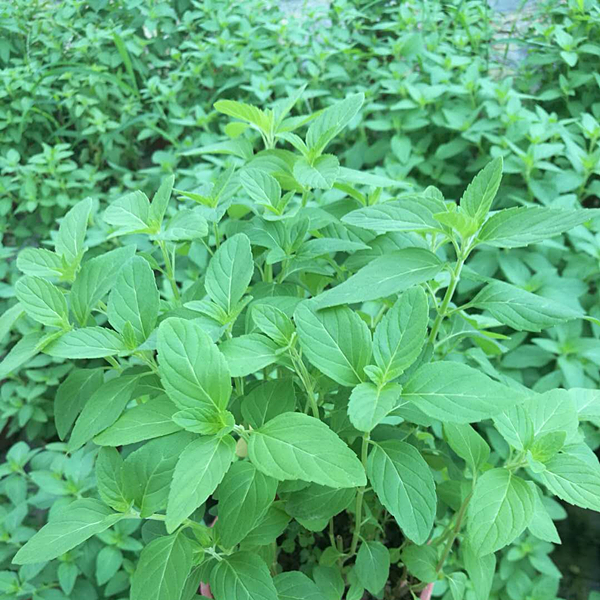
<point>421,562</point>
<point>521,226</point>
<point>385,276</point>
<point>336,341</point>
<point>296,446</point>
<point>330,582</point>
<point>248,354</point>
<point>42,301</point>
<point>108,562</point>
<point>515,426</point>
<point>522,310</point>
<point>71,233</point>
<point>401,333</point>
<point>372,566</point>
<point>229,272</point>
<point>134,299</point>
<point>269,529</point>
<point>193,371</point>
<point>9,318</point>
<point>205,420</point>
<point>260,186</point>
<point>26,348</point>
<point>71,396</point>
<point>404,484</point>
<point>369,404</point>
<point>102,409</point>
<point>245,112</point>
<point>541,524</point>
<point>295,585</point>
<point>95,279</point>
<point>468,444</point>
<point>243,576</point>
<point>185,225</point>
<point>455,393</point>
<point>90,342</point>
<point>457,582</point>
<point>109,478</point>
<point>67,528</point>
<point>39,262</point>
<point>319,174</point>
<point>163,568</point>
<point>480,569</point>
<point>408,214</point>
<point>142,422</point>
<point>148,471</point>
<point>500,509</point>
<point>160,202</point>
<point>201,467</point>
<point>267,400</point>
<point>332,120</point>
<point>573,480</point>
<point>129,214</point>
<point>480,193</point>
<point>244,498</point>
<point>318,502</point>
<point>273,323</point>
<point>553,411</point>
<point>587,403</point>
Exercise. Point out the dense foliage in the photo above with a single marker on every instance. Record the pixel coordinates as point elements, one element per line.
<point>375,384</point>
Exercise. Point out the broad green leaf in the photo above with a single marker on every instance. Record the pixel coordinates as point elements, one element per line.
<point>318,502</point>
<point>522,310</point>
<point>407,214</point>
<point>573,480</point>
<point>295,585</point>
<point>515,426</point>
<point>39,262</point>
<point>229,272</point>
<point>26,348</point>
<point>336,341</point>
<point>372,566</point>
<point>553,411</point>
<point>269,529</point>
<point>129,214</point>
<point>260,186</point>
<point>369,404</point>
<point>148,471</point>
<point>9,318</point>
<point>134,299</point>
<point>185,225</point>
<point>480,193</point>
<point>193,371</point>
<point>243,576</point>
<point>245,112</point>
<point>401,333</point>
<point>95,279</point>
<point>541,524</point>
<point>160,201</point>
<point>323,246</point>
<point>500,509</point>
<point>587,403</point>
<point>248,354</point>
<point>404,484</point>
<point>109,479</point>
<point>89,342</point>
<point>68,528</point>
<point>455,393</point>
<point>142,422</point>
<point>332,120</point>
<point>296,446</point>
<point>385,276</point>
<point>205,420</point>
<point>320,174</point>
<point>267,400</point>
<point>421,562</point>
<point>524,225</point>
<point>42,301</point>
<point>71,396</point>
<point>273,323</point>
<point>457,582</point>
<point>244,498</point>
<point>108,561</point>
<point>163,568</point>
<point>102,409</point>
<point>200,468</point>
<point>330,582</point>
<point>71,233</point>
<point>468,444</point>
<point>480,569</point>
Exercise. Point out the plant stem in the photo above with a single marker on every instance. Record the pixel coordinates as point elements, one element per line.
<point>170,272</point>
<point>359,496</point>
<point>455,532</point>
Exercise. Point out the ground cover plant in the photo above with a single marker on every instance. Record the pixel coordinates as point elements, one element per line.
<point>294,356</point>
<point>356,289</point>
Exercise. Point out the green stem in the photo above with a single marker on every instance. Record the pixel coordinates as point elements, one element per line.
<point>169,270</point>
<point>360,496</point>
<point>455,532</point>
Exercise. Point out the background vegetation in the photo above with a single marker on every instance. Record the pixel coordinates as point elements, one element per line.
<point>100,98</point>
